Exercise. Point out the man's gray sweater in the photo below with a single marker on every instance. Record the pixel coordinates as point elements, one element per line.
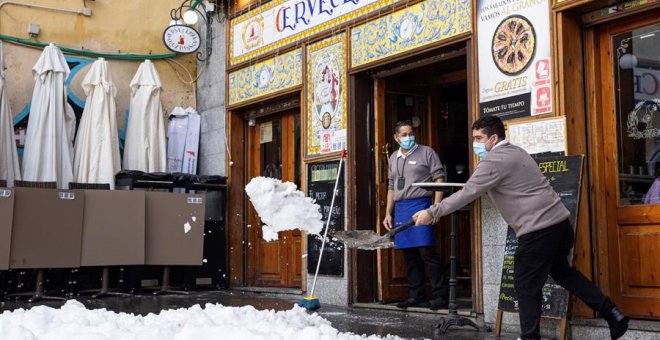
<point>516,186</point>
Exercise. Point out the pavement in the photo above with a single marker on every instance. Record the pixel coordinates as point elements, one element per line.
<point>362,320</point>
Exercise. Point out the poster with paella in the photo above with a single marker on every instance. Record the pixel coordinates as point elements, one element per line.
<point>515,78</point>
<point>326,96</point>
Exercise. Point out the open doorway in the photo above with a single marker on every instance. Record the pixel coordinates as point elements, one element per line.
<point>432,93</point>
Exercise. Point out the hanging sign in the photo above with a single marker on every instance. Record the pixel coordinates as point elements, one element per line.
<point>515,78</point>
<point>181,39</point>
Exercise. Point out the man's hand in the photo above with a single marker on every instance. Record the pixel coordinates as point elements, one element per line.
<point>387,222</point>
<point>422,217</point>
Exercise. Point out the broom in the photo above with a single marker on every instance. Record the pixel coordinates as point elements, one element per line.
<point>311,302</point>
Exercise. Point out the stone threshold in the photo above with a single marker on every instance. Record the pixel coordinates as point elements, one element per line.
<point>634,325</point>
<point>291,292</point>
<point>462,312</point>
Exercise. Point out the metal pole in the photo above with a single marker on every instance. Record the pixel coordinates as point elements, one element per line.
<point>453,306</point>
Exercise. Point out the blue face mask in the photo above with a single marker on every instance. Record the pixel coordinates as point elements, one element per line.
<point>407,142</point>
<point>479,149</point>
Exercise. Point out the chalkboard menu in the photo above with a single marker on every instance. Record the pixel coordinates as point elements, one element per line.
<point>564,174</point>
<point>320,184</point>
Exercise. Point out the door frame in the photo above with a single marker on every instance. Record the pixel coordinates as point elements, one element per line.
<point>236,130</point>
<point>602,156</point>
<point>253,169</point>
<point>358,292</point>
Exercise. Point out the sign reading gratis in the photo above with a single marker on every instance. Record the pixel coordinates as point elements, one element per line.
<point>515,78</point>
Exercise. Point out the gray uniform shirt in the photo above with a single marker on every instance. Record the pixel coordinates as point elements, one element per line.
<point>421,164</point>
<point>516,186</point>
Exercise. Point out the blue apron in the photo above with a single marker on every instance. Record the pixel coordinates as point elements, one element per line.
<point>417,236</point>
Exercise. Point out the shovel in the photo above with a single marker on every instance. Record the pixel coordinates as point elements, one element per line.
<point>368,239</point>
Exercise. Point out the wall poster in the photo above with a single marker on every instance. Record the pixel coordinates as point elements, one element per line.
<point>515,78</point>
<point>539,135</point>
<point>326,96</point>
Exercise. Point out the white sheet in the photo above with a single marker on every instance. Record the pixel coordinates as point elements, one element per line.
<point>183,140</point>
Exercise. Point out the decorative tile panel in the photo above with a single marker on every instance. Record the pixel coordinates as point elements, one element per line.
<point>422,24</point>
<point>273,75</point>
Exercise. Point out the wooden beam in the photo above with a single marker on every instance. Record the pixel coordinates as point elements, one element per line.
<point>420,63</point>
<point>571,99</point>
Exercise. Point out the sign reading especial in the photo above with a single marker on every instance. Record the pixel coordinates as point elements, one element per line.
<point>515,79</point>
<point>282,22</point>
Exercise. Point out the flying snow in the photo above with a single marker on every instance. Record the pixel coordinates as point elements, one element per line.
<point>281,206</point>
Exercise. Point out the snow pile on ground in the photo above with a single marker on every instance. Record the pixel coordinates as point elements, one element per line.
<point>281,206</point>
<point>74,321</point>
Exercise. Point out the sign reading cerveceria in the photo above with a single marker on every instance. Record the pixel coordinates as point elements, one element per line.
<point>514,58</point>
<point>181,39</point>
<point>282,22</point>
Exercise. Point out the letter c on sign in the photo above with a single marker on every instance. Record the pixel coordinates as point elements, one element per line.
<point>277,19</point>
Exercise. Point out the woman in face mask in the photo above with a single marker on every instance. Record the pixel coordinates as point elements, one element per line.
<point>415,163</point>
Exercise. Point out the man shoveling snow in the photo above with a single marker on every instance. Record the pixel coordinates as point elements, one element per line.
<point>281,206</point>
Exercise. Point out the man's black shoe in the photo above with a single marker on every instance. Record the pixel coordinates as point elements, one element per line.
<point>615,318</point>
<point>617,321</point>
<point>439,303</point>
<point>411,302</point>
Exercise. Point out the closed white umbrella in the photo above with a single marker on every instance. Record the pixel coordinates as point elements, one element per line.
<point>48,154</point>
<point>97,150</point>
<point>9,167</point>
<point>145,147</point>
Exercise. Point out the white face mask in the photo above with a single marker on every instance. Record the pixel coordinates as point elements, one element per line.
<point>479,148</point>
<point>407,142</point>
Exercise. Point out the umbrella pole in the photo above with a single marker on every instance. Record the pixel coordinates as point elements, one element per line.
<point>165,286</point>
<point>105,289</point>
<point>39,293</point>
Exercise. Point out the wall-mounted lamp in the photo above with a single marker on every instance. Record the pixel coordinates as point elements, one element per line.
<point>251,118</point>
<point>188,13</point>
<point>628,61</point>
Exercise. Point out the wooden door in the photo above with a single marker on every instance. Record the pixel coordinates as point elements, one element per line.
<point>274,151</point>
<point>391,107</point>
<point>629,59</point>
<point>392,277</point>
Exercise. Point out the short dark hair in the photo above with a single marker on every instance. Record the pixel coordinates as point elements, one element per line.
<point>401,124</point>
<point>491,125</point>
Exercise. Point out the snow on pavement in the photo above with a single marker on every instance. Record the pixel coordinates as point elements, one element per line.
<point>214,321</point>
<point>281,206</point>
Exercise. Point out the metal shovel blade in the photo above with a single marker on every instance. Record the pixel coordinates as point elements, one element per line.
<point>364,239</point>
<point>368,239</point>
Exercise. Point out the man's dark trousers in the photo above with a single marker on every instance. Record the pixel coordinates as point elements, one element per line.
<point>415,260</point>
<point>542,253</point>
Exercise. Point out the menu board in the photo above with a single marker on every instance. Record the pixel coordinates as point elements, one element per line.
<point>321,178</point>
<point>564,174</point>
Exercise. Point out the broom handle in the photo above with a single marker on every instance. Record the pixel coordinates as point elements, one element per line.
<point>327,222</point>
